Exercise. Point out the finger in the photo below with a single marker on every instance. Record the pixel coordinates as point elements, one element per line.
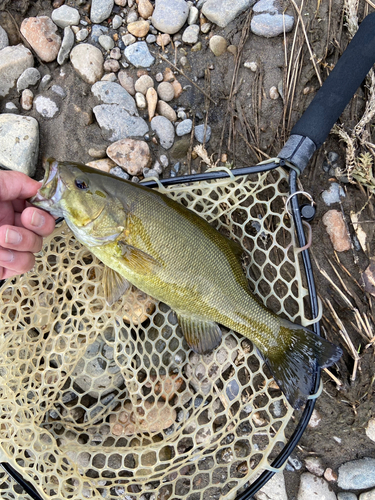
<point>6,212</point>
<point>20,239</point>
<point>38,221</point>
<point>19,205</point>
<point>14,263</point>
<point>15,185</point>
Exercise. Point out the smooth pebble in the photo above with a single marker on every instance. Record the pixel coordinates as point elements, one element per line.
<point>314,487</point>
<point>116,123</point>
<point>222,12</point>
<point>113,93</point>
<point>199,133</point>
<point>271,25</point>
<point>184,127</point>
<point>66,45</point>
<point>117,22</point>
<point>100,10</point>
<point>65,16</point>
<point>106,42</point>
<point>190,35</point>
<point>45,106</point>
<point>164,109</point>
<point>130,154</point>
<point>139,55</point>
<point>41,33</point>
<point>170,15</point>
<point>88,62</point>
<point>30,76</point>
<point>218,45</point>
<point>357,474</point>
<point>164,131</point>
<point>127,82</point>
<point>27,98</point>
<point>165,91</point>
<point>143,83</point>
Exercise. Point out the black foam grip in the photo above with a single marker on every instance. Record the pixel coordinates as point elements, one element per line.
<point>340,86</point>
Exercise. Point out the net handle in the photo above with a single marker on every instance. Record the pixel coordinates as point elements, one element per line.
<point>312,129</point>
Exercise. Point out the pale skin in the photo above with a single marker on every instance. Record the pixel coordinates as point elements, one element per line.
<point>22,227</point>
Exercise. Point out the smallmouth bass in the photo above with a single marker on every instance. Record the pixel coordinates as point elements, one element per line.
<point>148,240</point>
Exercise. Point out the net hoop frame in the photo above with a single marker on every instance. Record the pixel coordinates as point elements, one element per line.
<point>214,174</point>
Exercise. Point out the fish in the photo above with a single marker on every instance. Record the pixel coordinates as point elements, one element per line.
<point>150,241</point>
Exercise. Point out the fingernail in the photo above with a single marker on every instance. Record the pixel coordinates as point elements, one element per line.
<point>37,219</point>
<point>6,255</point>
<point>12,237</point>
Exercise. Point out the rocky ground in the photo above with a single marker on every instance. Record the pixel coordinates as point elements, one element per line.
<point>132,87</point>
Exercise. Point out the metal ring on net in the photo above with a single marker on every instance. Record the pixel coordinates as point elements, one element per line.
<point>108,402</point>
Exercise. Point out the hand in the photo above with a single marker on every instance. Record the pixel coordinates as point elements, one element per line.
<point>21,225</point>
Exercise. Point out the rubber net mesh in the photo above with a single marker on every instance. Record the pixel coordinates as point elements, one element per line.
<point>108,402</point>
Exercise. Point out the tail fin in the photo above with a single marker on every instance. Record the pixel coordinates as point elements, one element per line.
<point>294,364</point>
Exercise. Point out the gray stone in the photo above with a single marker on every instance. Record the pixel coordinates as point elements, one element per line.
<point>106,42</point>
<point>132,17</point>
<point>139,55</point>
<point>10,107</point>
<point>170,15</point>
<point>82,35</point>
<point>45,106</point>
<point>265,6</point>
<point>222,12</point>
<point>199,133</point>
<point>100,10</point>
<point>164,131</point>
<point>116,22</point>
<point>269,25</point>
<point>314,487</point>
<point>27,99</point>
<point>4,40</point>
<point>274,489</point>
<point>13,62</point>
<point>98,30</point>
<point>128,39</point>
<point>87,60</point>
<point>45,81</point>
<point>333,194</point>
<point>19,143</point>
<point>113,93</point>
<point>184,127</point>
<point>357,474</point>
<point>59,91</point>
<point>29,77</point>
<point>190,35</point>
<point>116,123</point>
<point>193,15</point>
<point>368,495</point>
<point>119,172</point>
<point>66,45</point>
<point>346,495</point>
<point>150,38</point>
<point>65,16</point>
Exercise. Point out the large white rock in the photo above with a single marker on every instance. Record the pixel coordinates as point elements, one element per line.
<point>13,62</point>
<point>19,143</point>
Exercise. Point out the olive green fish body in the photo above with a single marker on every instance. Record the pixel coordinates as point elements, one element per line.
<point>176,257</point>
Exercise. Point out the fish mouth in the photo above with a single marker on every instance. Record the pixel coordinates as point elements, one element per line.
<point>48,193</point>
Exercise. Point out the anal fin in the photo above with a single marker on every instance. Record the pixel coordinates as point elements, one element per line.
<point>201,335</point>
<point>115,285</point>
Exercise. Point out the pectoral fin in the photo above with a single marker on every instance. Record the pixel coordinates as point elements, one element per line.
<point>115,285</point>
<point>136,259</point>
<point>202,336</point>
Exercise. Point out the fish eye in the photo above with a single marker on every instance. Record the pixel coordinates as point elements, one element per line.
<point>81,184</point>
